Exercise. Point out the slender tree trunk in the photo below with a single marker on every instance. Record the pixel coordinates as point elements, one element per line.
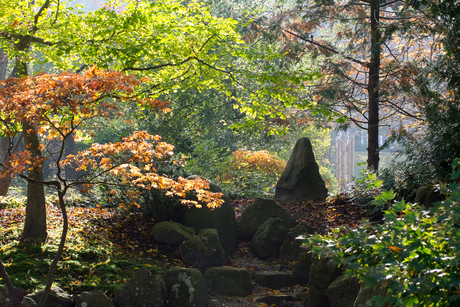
<point>70,170</point>
<point>373,88</point>
<point>35,222</point>
<point>5,181</point>
<point>3,64</point>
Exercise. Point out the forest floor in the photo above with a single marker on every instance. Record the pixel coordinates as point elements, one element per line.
<point>103,248</point>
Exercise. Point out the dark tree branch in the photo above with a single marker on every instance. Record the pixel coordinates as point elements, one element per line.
<point>365,64</point>
<point>39,13</point>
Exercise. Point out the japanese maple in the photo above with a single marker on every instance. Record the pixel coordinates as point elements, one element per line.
<point>59,104</point>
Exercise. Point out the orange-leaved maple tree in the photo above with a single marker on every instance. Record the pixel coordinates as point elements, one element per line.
<point>60,104</point>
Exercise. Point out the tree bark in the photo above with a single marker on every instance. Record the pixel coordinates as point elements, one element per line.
<point>35,221</point>
<point>5,180</point>
<point>70,170</point>
<point>373,89</point>
<point>3,64</point>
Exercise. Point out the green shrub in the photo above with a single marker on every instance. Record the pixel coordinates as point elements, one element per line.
<point>251,173</point>
<point>363,192</point>
<point>414,253</point>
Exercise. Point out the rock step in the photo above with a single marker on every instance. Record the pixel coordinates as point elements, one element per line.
<point>277,280</point>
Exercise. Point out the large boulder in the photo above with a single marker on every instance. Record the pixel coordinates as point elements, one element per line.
<point>203,250</point>
<point>172,233</point>
<point>268,238</point>
<point>323,271</point>
<point>222,218</point>
<point>56,298</point>
<point>186,287</point>
<point>257,213</point>
<point>365,295</point>
<point>302,269</point>
<point>292,244</point>
<point>300,180</point>
<point>144,289</point>
<point>342,292</point>
<point>228,281</point>
<point>94,298</point>
<point>427,195</point>
<point>5,299</point>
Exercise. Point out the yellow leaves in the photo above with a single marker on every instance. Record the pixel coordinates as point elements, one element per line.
<point>135,158</point>
<point>258,160</point>
<point>395,248</point>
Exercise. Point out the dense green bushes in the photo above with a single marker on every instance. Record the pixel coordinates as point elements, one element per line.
<point>414,252</point>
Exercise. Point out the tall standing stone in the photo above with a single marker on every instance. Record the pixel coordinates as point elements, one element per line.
<point>300,180</point>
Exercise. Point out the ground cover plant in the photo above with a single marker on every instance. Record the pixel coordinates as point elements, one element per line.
<point>97,254</point>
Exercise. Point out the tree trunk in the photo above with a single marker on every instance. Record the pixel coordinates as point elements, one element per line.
<point>3,64</point>
<point>373,88</point>
<point>70,170</point>
<point>5,181</point>
<point>35,222</point>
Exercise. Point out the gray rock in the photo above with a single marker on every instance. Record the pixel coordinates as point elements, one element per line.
<point>268,238</point>
<point>292,245</point>
<point>186,287</point>
<point>277,280</point>
<point>222,218</point>
<point>56,298</point>
<point>228,281</point>
<point>427,195</point>
<point>300,293</point>
<point>301,180</point>
<point>172,233</point>
<point>94,298</point>
<point>257,213</point>
<point>302,269</point>
<point>5,299</point>
<point>144,289</point>
<point>323,271</point>
<point>365,294</point>
<point>203,250</point>
<point>342,292</point>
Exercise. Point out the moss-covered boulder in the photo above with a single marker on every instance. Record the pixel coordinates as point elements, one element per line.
<point>342,292</point>
<point>268,238</point>
<point>144,289</point>
<point>186,287</point>
<point>203,250</point>
<point>302,268</point>
<point>172,233</point>
<point>56,298</point>
<point>222,218</point>
<point>228,281</point>
<point>94,298</point>
<point>365,294</point>
<point>292,244</point>
<point>5,299</point>
<point>301,180</point>
<point>323,271</point>
<point>257,213</point>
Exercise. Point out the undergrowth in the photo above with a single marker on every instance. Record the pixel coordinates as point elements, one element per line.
<point>92,259</point>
